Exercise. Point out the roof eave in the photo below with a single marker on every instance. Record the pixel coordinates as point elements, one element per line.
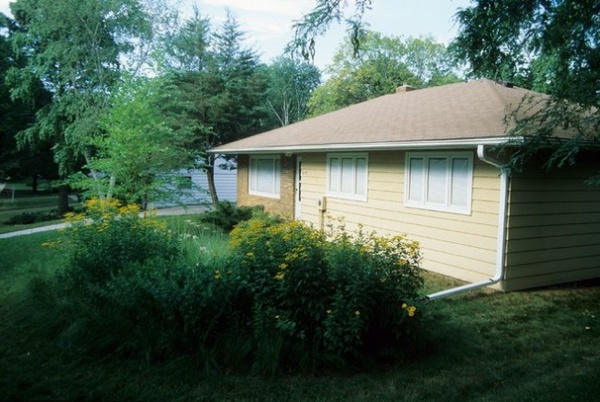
<point>375,146</point>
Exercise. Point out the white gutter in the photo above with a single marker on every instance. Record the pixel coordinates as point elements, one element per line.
<point>501,243</point>
<point>366,146</point>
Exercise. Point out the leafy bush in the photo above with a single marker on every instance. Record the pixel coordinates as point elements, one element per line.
<point>226,215</point>
<point>32,217</point>
<point>328,299</point>
<point>108,237</point>
<point>128,290</point>
<point>157,311</point>
<point>377,282</point>
<point>286,297</point>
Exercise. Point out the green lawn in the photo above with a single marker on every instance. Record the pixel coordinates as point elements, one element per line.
<point>26,201</point>
<point>539,345</point>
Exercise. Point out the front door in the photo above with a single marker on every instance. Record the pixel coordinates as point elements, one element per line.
<point>298,189</point>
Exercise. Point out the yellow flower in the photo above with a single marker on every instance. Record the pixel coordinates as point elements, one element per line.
<point>404,305</point>
<point>357,313</point>
<point>279,276</point>
<point>328,311</point>
<point>277,317</point>
<point>283,265</point>
<point>217,274</point>
<point>412,310</point>
<point>411,313</point>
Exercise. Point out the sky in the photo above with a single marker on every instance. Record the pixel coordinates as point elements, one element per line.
<point>268,23</point>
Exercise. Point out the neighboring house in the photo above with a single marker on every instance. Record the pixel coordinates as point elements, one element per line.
<point>422,163</point>
<point>193,185</point>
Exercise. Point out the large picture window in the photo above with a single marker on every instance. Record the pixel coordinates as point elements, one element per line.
<point>441,182</point>
<point>347,176</point>
<point>264,176</point>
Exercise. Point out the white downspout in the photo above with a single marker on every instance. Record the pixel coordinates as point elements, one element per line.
<point>501,244</point>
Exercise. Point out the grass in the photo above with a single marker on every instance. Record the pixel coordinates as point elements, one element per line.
<point>26,201</point>
<point>538,345</point>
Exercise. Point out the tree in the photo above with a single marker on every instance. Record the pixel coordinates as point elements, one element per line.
<point>548,46</point>
<point>17,115</point>
<point>140,151</point>
<point>290,85</point>
<point>218,87</point>
<point>383,64</point>
<point>317,22</point>
<point>74,47</point>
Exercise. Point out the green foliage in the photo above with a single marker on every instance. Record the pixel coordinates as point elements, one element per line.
<point>35,159</point>
<point>317,22</point>
<point>169,309</point>
<point>226,215</point>
<point>285,298</point>
<point>216,89</point>
<point>377,282</point>
<point>74,48</point>
<point>290,85</point>
<point>472,349</point>
<point>108,238</point>
<point>383,64</point>
<point>550,47</point>
<point>126,286</point>
<point>328,300</point>
<point>32,217</point>
<point>140,152</point>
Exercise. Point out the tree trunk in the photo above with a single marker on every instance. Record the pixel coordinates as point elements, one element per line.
<point>111,187</point>
<point>95,176</point>
<point>63,199</point>
<point>210,176</point>
<point>34,183</point>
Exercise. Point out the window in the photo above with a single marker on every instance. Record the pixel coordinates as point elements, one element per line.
<point>185,183</point>
<point>347,176</point>
<point>439,181</point>
<point>264,176</point>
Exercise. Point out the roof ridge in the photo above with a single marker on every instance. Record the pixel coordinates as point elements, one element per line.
<point>494,88</point>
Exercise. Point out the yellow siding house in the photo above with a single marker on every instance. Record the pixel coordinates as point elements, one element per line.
<point>424,163</point>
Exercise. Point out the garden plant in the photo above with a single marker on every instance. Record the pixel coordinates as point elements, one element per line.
<point>136,336</point>
<point>285,298</point>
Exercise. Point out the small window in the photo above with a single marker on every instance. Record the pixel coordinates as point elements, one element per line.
<point>185,183</point>
<point>439,181</point>
<point>347,176</point>
<point>264,176</point>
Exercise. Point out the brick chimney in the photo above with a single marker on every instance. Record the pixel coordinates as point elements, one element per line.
<point>405,88</point>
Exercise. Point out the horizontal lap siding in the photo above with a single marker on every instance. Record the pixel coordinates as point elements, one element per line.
<point>463,246</point>
<point>553,227</point>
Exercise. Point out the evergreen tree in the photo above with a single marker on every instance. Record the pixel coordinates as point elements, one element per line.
<point>218,87</point>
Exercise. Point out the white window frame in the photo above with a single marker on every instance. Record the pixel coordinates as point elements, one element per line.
<point>418,185</point>
<point>274,178</point>
<point>357,180</point>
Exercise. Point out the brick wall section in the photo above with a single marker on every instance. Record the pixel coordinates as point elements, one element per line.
<point>283,206</point>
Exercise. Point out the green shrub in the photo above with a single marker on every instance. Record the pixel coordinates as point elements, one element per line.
<point>377,282</point>
<point>129,291</point>
<point>109,237</point>
<point>286,297</point>
<point>323,299</point>
<point>182,306</point>
<point>226,215</point>
<point>32,217</point>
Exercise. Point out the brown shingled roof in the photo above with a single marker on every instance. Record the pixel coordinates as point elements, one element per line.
<point>461,113</point>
